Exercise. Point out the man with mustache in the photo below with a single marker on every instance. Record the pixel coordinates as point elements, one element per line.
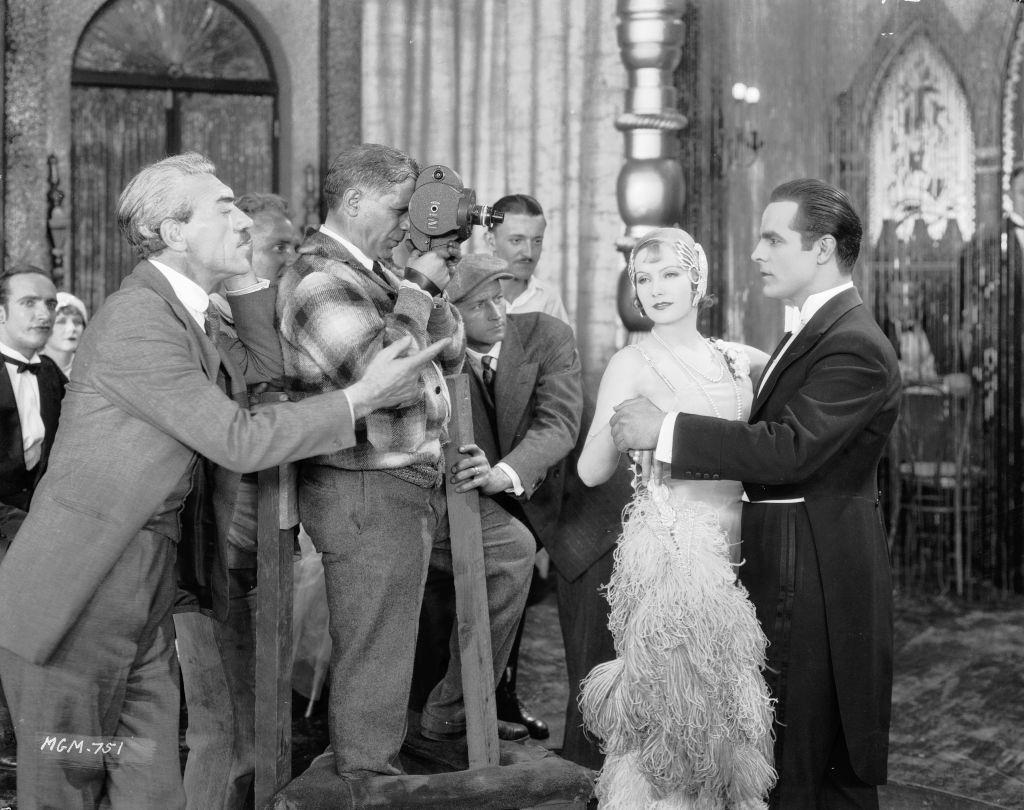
<point>519,240</point>
<point>86,592</point>
<point>218,666</point>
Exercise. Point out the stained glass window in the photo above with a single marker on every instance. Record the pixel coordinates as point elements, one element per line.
<point>173,39</point>
<point>922,147</point>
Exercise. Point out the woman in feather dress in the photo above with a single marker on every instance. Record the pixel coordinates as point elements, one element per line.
<point>683,711</point>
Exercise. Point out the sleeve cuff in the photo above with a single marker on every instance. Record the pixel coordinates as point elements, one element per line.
<point>262,284</point>
<point>517,483</point>
<point>411,286</point>
<point>663,452</point>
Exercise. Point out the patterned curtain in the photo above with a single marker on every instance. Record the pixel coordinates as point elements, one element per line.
<point>516,96</point>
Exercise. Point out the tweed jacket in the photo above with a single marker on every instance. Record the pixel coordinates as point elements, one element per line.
<point>538,399</point>
<point>334,317</point>
<point>14,478</point>
<point>143,403</point>
<point>817,429</point>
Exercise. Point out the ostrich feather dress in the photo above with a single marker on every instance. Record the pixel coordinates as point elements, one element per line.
<point>683,711</point>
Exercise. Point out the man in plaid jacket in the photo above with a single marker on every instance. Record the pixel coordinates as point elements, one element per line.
<point>376,510</point>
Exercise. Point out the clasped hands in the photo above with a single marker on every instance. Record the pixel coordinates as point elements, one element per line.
<point>636,424</point>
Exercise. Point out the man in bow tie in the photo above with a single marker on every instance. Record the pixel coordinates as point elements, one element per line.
<point>816,562</point>
<point>31,387</point>
<point>30,391</point>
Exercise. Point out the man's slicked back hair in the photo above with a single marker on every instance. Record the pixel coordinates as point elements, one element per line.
<point>522,204</point>
<point>823,209</point>
<point>17,270</point>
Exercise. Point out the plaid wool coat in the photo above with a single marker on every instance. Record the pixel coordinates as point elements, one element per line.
<point>335,316</point>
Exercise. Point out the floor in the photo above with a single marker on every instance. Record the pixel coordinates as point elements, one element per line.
<point>958,702</point>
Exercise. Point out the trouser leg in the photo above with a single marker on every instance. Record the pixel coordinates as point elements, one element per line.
<point>98,723</point>
<point>782,575</point>
<point>583,616</point>
<point>218,673</point>
<point>508,560</point>
<point>375,533</point>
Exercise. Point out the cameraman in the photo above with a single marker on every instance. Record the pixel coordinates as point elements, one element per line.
<point>374,510</point>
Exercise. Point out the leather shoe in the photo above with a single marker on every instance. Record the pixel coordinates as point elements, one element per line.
<point>509,732</point>
<point>512,732</point>
<point>512,710</point>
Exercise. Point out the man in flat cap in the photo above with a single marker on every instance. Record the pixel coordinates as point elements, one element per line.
<point>527,398</point>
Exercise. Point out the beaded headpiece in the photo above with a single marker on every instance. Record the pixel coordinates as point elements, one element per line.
<point>692,259</point>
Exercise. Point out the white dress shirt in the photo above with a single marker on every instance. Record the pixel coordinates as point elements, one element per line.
<point>476,359</point>
<point>193,297</point>
<point>539,296</point>
<point>26,396</point>
<point>663,451</point>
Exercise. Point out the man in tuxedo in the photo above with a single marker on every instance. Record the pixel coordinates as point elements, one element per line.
<point>31,387</point>
<point>30,391</point>
<point>86,591</point>
<point>527,397</point>
<point>814,547</point>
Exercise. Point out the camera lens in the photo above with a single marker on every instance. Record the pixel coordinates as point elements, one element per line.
<point>485,215</point>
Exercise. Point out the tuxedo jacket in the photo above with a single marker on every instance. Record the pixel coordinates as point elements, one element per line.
<point>15,481</point>
<point>538,400</point>
<point>817,430</point>
<point>144,402</point>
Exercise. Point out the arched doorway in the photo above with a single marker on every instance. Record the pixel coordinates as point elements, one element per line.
<point>152,78</point>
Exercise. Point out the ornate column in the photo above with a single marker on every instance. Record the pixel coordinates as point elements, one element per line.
<point>650,187</point>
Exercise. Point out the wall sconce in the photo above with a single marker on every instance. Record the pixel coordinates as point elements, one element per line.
<point>741,145</point>
<point>57,223</point>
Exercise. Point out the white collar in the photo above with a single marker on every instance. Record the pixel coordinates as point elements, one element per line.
<point>817,301</point>
<point>357,254</point>
<point>532,288</point>
<point>194,298</point>
<point>494,351</point>
<point>5,349</point>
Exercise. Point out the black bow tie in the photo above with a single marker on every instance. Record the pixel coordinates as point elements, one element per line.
<point>23,365</point>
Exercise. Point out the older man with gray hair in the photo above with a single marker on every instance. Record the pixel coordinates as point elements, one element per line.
<point>86,592</point>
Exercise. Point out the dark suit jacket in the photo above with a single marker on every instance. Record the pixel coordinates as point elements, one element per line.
<point>12,458</point>
<point>817,430</point>
<point>143,404</point>
<point>250,352</point>
<point>538,398</point>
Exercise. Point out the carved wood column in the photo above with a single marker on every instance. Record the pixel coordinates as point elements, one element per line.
<point>650,186</point>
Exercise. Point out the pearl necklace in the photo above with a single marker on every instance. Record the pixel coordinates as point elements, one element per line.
<point>695,374</point>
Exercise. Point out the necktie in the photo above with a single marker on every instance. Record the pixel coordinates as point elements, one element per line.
<point>23,365</point>
<point>212,324</point>
<point>488,371</point>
